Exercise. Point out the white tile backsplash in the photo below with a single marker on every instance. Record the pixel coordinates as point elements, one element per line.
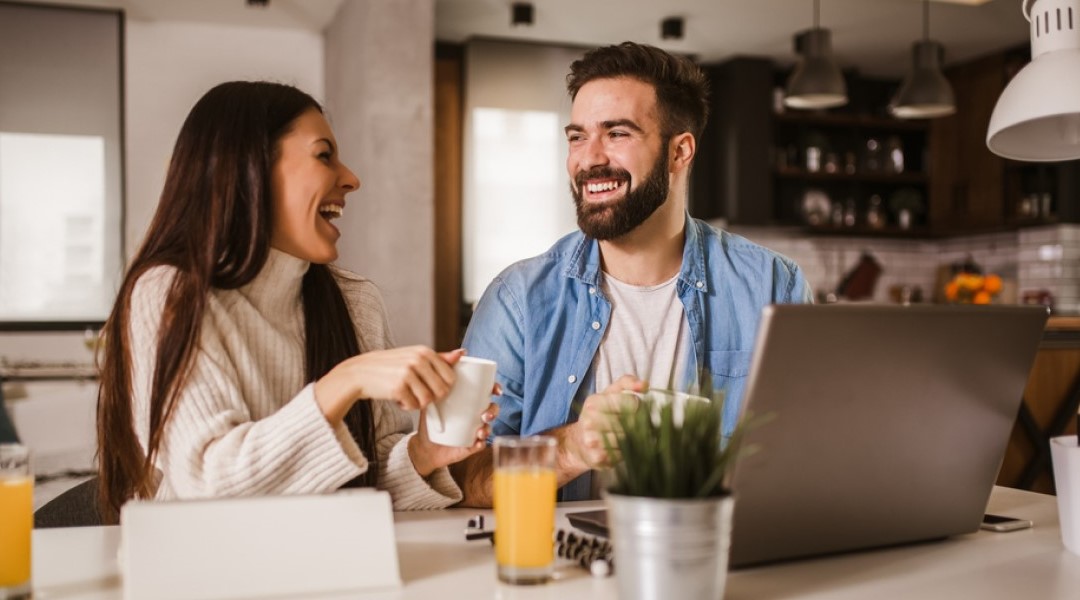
<point>1016,256</point>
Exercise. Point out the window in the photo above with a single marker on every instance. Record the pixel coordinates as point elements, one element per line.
<point>60,165</point>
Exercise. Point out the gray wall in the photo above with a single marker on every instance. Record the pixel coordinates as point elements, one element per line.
<point>379,99</point>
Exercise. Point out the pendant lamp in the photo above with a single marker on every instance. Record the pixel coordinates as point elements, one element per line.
<point>1037,117</point>
<point>924,93</point>
<point>816,81</point>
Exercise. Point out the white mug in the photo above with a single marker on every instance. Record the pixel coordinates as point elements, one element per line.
<point>453,421</point>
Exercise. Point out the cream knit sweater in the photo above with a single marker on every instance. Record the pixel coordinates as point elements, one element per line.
<point>246,423</point>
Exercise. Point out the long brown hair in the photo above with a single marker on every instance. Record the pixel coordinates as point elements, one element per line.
<point>213,225</point>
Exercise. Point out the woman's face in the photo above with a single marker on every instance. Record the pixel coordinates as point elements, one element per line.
<point>308,187</point>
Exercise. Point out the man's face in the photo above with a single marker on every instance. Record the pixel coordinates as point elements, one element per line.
<point>618,158</point>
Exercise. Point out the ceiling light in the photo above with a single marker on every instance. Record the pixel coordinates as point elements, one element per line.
<point>521,13</point>
<point>924,93</point>
<point>816,81</point>
<point>671,28</point>
<point>1037,117</point>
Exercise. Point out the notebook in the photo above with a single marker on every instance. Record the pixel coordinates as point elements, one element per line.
<point>883,425</point>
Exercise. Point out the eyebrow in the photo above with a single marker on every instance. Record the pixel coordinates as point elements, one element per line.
<point>607,125</point>
<point>327,142</point>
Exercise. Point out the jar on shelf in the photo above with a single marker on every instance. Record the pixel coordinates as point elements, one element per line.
<point>894,152</point>
<point>875,213</point>
<point>849,212</point>
<point>872,155</point>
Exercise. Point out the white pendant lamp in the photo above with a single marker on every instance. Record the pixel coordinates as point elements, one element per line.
<point>924,93</point>
<point>1037,117</point>
<point>816,81</point>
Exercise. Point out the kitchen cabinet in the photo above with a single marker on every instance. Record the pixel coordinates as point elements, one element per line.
<point>759,164</point>
<point>973,189</point>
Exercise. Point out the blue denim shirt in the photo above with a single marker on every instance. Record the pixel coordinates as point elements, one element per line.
<point>542,320</point>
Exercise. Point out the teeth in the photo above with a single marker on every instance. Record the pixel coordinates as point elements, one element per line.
<point>330,211</point>
<point>606,186</point>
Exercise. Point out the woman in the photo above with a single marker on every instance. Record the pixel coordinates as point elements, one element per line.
<point>237,361</point>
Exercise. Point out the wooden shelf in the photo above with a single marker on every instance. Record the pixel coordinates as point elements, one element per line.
<point>909,177</point>
<point>849,120</point>
<point>916,232</point>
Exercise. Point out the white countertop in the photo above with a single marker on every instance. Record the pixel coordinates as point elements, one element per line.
<point>437,562</point>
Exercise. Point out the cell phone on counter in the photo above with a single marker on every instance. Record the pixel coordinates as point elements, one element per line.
<point>1002,524</point>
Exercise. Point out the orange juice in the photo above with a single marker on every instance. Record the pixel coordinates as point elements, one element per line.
<point>524,517</point>
<point>16,521</point>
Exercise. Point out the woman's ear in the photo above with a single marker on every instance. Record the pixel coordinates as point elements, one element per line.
<point>682,149</point>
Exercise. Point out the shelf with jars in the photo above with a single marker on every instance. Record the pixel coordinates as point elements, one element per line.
<point>850,173</point>
<point>845,171</point>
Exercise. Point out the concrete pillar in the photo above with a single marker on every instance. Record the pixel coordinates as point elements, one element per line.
<point>379,99</point>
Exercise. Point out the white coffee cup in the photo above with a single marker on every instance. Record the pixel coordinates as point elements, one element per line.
<point>453,421</point>
<point>1066,458</point>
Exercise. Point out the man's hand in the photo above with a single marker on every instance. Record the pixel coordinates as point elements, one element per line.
<point>583,441</point>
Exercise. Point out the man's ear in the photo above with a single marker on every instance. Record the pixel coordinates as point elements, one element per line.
<point>681,151</point>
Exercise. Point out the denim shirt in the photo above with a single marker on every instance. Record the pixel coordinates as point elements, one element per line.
<point>542,320</point>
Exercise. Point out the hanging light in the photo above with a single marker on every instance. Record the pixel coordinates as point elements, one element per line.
<point>816,81</point>
<point>924,93</point>
<point>1037,117</point>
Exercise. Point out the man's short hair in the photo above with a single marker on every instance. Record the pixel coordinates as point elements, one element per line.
<point>682,90</point>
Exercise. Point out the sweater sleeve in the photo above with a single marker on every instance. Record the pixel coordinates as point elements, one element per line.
<point>211,445</point>
<point>393,427</point>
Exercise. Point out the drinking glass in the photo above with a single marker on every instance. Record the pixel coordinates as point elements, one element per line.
<point>525,508</point>
<point>16,520</point>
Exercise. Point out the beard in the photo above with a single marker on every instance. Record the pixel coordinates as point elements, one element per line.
<point>614,219</point>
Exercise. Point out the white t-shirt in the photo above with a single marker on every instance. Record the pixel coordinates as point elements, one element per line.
<point>648,335</point>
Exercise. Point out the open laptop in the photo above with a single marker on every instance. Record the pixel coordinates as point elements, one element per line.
<point>886,424</point>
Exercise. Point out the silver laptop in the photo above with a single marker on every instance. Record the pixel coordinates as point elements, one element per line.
<point>887,424</point>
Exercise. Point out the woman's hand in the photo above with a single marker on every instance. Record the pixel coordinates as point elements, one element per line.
<point>427,456</point>
<point>413,377</point>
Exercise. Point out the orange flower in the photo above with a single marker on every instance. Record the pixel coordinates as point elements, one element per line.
<point>981,297</point>
<point>992,285</point>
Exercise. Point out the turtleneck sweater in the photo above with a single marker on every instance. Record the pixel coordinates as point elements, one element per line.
<point>246,421</point>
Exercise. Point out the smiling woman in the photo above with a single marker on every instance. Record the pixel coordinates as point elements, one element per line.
<point>238,361</point>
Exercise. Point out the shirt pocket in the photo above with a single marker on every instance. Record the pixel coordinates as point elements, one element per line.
<point>727,369</point>
<point>728,364</point>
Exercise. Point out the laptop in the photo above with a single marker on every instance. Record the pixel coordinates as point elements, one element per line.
<point>881,425</point>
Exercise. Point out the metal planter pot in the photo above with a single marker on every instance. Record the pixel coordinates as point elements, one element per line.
<point>667,548</point>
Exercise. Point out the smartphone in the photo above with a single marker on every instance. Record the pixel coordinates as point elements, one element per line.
<point>1001,524</point>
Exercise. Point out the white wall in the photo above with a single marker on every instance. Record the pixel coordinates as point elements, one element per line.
<point>170,65</point>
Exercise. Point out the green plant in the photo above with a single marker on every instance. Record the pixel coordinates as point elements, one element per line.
<point>656,454</point>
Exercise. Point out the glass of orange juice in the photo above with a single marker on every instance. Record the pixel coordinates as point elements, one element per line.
<point>525,508</point>
<point>16,520</point>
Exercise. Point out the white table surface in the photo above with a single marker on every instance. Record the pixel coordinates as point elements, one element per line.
<point>437,562</point>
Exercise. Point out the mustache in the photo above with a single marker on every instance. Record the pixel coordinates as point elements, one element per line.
<point>600,172</point>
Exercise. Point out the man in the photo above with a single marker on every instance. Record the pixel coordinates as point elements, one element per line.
<point>643,291</point>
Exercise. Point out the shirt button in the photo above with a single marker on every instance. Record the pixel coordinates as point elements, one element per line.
<point>700,284</point>
<point>571,379</point>
<point>595,325</point>
<point>592,290</point>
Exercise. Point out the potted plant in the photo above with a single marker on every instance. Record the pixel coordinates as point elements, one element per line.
<point>907,204</point>
<point>669,509</point>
